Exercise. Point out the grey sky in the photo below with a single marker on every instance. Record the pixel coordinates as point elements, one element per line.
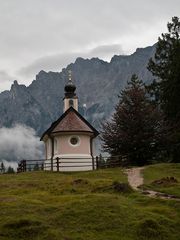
<point>49,34</point>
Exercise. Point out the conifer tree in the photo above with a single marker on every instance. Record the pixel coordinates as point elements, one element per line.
<point>166,68</point>
<point>2,168</point>
<point>10,170</point>
<point>135,128</point>
<point>36,167</point>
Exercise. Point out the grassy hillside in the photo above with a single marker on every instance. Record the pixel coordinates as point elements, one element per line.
<point>160,171</point>
<point>82,206</point>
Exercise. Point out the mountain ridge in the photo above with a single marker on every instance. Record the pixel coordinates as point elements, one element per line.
<point>98,84</point>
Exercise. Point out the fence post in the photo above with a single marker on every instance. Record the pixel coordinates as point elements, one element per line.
<point>51,164</point>
<point>42,166</point>
<point>92,162</point>
<point>18,168</point>
<point>120,161</point>
<point>23,165</point>
<point>97,163</point>
<point>57,164</point>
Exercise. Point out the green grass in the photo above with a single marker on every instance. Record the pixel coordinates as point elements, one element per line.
<point>159,171</point>
<point>82,206</point>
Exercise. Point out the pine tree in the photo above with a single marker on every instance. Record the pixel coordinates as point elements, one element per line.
<point>36,167</point>
<point>166,68</point>
<point>2,168</point>
<point>101,161</point>
<point>136,126</point>
<point>10,170</point>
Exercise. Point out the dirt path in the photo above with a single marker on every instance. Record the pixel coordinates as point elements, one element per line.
<point>135,180</point>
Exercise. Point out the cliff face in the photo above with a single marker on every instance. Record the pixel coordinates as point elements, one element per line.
<point>98,84</point>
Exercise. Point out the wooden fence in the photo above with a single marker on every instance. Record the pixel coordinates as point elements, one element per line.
<point>59,164</point>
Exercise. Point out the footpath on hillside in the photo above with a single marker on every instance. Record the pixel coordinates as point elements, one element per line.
<point>135,179</point>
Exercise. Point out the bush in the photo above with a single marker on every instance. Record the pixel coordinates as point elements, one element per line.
<point>122,187</point>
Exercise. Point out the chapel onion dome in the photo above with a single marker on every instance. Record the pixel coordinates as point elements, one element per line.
<point>70,88</point>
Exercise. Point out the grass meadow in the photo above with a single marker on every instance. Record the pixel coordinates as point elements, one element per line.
<point>85,206</point>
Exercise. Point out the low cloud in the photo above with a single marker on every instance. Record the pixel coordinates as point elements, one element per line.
<point>48,63</point>
<point>107,51</point>
<point>7,164</point>
<point>5,80</point>
<point>59,61</point>
<point>5,76</point>
<point>17,143</point>
<point>56,30</point>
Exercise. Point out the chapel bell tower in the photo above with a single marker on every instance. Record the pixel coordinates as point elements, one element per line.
<point>70,99</point>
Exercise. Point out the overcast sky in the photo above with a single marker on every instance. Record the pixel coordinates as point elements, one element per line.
<point>49,34</point>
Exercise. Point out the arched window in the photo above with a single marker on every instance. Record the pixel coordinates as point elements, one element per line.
<point>71,103</point>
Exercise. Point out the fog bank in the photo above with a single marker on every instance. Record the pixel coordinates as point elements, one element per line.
<point>19,142</point>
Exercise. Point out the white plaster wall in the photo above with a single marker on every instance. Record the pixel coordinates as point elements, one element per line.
<point>66,103</point>
<point>72,158</point>
<point>48,147</point>
<point>69,163</point>
<point>64,146</point>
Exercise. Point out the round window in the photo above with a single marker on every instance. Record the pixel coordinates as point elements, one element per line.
<point>74,140</point>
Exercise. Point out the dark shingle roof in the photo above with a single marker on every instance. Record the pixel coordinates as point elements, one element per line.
<point>71,121</point>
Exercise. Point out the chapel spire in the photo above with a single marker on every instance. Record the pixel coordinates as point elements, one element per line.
<point>70,99</point>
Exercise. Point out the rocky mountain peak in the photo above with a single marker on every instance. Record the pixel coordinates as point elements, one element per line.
<point>15,83</point>
<point>98,85</point>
